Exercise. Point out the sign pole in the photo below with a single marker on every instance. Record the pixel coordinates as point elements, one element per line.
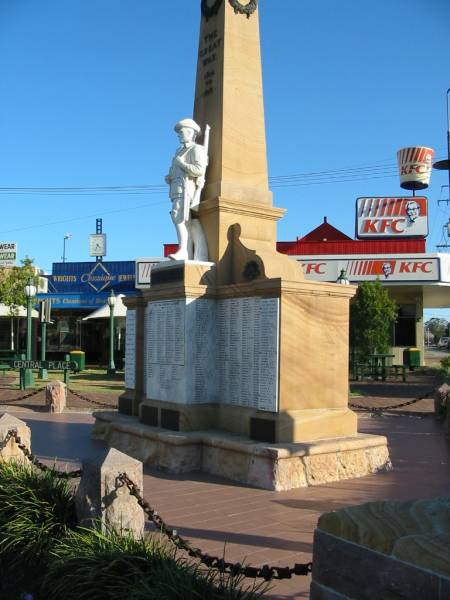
<point>29,380</point>
<point>43,374</point>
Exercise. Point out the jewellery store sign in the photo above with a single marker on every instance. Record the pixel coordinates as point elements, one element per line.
<point>8,254</point>
<point>92,278</point>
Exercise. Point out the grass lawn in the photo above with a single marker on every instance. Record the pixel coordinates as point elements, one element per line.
<point>90,380</point>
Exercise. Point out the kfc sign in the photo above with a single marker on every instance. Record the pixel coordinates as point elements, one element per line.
<point>392,217</point>
<point>388,269</point>
<point>393,269</point>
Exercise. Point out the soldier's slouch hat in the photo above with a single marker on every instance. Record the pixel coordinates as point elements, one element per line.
<point>187,123</point>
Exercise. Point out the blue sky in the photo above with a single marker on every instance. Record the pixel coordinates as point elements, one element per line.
<point>90,90</point>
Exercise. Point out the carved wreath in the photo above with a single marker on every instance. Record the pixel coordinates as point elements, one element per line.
<point>243,9</point>
<point>247,9</point>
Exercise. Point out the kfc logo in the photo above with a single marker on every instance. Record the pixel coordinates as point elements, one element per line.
<point>392,217</point>
<point>314,268</point>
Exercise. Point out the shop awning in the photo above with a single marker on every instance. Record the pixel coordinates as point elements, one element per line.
<point>20,312</point>
<point>120,310</point>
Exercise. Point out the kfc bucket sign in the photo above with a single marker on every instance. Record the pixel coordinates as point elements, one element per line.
<point>415,167</point>
<point>392,217</point>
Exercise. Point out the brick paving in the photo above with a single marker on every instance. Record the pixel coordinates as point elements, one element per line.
<point>258,526</point>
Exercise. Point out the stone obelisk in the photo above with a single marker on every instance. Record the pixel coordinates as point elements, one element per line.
<point>229,97</point>
<point>239,349</point>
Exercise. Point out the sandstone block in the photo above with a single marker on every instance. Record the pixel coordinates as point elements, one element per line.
<point>103,499</point>
<point>12,451</point>
<point>385,550</point>
<point>55,396</point>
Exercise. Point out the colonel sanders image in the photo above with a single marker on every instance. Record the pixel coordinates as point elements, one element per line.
<point>412,212</point>
<point>387,269</point>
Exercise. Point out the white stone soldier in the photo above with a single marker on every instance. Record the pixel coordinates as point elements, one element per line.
<point>186,179</point>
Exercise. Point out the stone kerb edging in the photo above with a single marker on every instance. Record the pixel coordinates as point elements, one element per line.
<point>383,550</point>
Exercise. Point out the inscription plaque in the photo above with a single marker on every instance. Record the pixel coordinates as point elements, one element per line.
<point>130,349</point>
<point>209,351</point>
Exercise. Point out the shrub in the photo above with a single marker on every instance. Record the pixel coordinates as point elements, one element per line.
<point>445,364</point>
<point>43,552</point>
<point>89,564</point>
<point>35,511</point>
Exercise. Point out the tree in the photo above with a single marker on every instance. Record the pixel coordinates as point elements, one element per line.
<point>372,313</point>
<point>12,283</point>
<point>437,327</point>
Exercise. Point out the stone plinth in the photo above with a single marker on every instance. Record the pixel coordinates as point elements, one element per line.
<point>268,466</point>
<point>101,499</point>
<point>385,550</point>
<point>11,450</point>
<point>242,358</point>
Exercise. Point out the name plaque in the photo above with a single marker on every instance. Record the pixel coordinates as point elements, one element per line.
<point>130,349</point>
<point>213,351</point>
<point>248,352</point>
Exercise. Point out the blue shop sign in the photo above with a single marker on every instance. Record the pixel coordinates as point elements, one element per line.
<point>92,278</point>
<point>69,301</point>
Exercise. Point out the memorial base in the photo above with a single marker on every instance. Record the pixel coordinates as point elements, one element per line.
<point>275,467</point>
<point>299,425</point>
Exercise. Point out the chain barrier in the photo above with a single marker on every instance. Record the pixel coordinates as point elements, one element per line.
<point>12,434</point>
<point>379,409</point>
<point>90,401</point>
<point>30,395</point>
<point>214,562</point>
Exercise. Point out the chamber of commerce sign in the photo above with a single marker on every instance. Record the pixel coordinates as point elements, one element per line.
<point>8,254</point>
<point>392,217</point>
<point>421,268</point>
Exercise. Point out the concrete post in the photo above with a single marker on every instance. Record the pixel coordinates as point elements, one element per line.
<point>101,498</point>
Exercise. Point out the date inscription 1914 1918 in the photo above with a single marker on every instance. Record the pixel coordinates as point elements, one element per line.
<point>208,56</point>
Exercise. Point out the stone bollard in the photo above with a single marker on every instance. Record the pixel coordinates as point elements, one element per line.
<point>55,396</point>
<point>100,497</point>
<point>12,452</point>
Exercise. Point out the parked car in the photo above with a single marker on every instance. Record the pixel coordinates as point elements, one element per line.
<point>443,342</point>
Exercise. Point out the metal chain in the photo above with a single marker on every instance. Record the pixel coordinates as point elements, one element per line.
<point>8,436</point>
<point>12,433</point>
<point>214,562</point>
<point>375,409</point>
<point>30,395</point>
<point>96,402</point>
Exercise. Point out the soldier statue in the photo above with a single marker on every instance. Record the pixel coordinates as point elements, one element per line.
<point>186,179</point>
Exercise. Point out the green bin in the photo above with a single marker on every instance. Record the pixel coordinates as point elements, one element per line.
<point>412,358</point>
<point>79,357</point>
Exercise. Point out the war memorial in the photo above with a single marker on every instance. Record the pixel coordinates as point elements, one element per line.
<point>219,374</point>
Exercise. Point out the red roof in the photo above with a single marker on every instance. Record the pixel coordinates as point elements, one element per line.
<point>325,232</point>
<point>326,239</point>
<point>301,248</point>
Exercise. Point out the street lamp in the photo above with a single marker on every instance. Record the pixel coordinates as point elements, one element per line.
<point>30,292</point>
<point>444,165</point>
<point>343,279</point>
<point>66,237</point>
<point>111,304</point>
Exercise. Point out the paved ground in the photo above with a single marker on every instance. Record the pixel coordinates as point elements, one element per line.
<point>258,526</point>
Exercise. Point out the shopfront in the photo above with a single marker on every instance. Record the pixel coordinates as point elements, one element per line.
<point>75,291</point>
<point>416,280</point>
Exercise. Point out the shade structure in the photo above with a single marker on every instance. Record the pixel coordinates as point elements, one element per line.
<point>21,311</point>
<point>120,310</point>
